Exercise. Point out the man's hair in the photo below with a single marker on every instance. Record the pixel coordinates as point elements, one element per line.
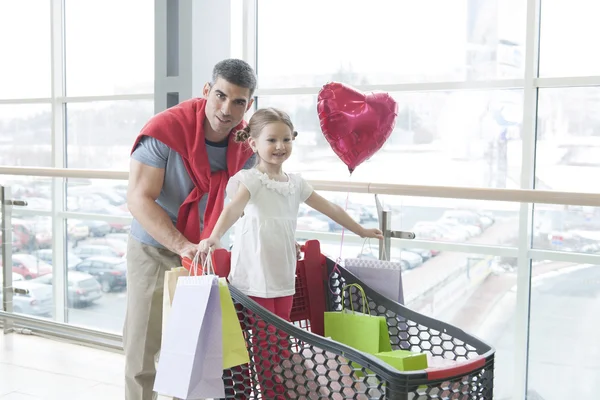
<point>237,72</point>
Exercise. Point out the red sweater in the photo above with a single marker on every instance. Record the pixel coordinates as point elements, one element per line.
<point>182,129</point>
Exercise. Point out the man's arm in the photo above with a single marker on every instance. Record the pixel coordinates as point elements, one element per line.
<point>145,184</point>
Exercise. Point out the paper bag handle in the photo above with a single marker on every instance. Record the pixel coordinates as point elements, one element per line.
<point>362,249</point>
<point>207,267</point>
<point>363,295</point>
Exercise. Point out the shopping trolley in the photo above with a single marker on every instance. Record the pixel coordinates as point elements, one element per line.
<point>306,365</point>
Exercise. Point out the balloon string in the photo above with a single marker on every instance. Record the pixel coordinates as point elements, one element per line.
<point>339,259</point>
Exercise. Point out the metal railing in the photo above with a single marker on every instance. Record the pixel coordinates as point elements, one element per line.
<point>447,192</point>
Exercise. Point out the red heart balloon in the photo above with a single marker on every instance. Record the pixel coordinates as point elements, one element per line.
<point>355,124</point>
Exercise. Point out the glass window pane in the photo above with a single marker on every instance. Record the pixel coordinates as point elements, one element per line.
<point>25,135</point>
<point>109,47</point>
<point>567,228</point>
<point>388,41</point>
<point>470,291</point>
<point>100,134</point>
<point>25,48</point>
<point>456,220</point>
<point>568,31</point>
<point>96,275</point>
<point>30,235</point>
<point>99,196</point>
<point>440,138</point>
<point>568,140</point>
<point>564,323</point>
<point>433,219</point>
<point>96,253</point>
<point>36,191</point>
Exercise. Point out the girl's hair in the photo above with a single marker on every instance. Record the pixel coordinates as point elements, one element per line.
<point>262,118</point>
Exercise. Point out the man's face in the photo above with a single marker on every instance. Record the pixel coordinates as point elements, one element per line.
<point>226,105</point>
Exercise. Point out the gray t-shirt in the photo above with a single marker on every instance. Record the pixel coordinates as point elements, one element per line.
<point>177,183</point>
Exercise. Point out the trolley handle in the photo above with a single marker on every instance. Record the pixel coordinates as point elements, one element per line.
<point>461,369</point>
<point>186,263</point>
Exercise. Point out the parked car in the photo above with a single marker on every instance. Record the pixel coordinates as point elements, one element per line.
<point>84,251</point>
<point>46,255</point>
<point>77,230</point>
<point>407,259</point>
<point>95,228</point>
<point>82,288</point>
<point>31,298</point>
<point>26,238</point>
<point>424,253</point>
<point>119,236</point>
<point>29,266</point>
<point>111,272</point>
<point>119,246</point>
<point>434,231</point>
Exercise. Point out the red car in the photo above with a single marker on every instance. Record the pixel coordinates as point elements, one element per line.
<point>30,266</point>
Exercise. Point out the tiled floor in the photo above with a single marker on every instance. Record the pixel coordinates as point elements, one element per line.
<point>33,368</point>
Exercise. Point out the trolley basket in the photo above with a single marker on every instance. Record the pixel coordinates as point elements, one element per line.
<point>294,360</point>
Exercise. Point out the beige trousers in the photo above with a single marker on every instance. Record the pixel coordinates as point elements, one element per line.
<point>146,267</point>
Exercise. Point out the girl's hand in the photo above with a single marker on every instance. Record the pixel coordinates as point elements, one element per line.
<point>206,244</point>
<point>209,243</point>
<point>373,233</point>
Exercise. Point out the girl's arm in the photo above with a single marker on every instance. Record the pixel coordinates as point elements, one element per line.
<point>340,216</point>
<point>231,213</point>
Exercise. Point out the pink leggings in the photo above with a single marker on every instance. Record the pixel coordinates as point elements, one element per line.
<point>271,387</point>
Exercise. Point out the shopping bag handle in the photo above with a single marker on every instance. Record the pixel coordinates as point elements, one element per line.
<point>368,240</point>
<point>363,295</point>
<point>207,267</point>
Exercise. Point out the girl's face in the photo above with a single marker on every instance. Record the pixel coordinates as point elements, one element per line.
<point>274,144</point>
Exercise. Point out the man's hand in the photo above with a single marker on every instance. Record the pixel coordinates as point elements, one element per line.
<point>298,250</point>
<point>189,251</point>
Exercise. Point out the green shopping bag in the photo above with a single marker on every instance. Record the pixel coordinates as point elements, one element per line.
<point>235,351</point>
<point>404,360</point>
<point>361,331</point>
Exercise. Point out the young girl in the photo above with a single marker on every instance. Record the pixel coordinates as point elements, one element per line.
<point>263,258</point>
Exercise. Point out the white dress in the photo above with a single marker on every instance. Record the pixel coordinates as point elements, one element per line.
<point>263,258</point>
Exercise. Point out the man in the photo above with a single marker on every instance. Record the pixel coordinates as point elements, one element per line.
<point>180,165</point>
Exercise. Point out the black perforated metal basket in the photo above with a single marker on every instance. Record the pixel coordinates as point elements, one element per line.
<point>294,361</point>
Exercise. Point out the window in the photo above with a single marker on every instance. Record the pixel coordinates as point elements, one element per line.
<point>109,47</point>
<point>567,228</point>
<point>310,42</point>
<point>564,309</point>
<point>25,135</point>
<point>568,140</point>
<point>568,33</point>
<point>100,134</point>
<point>25,48</point>
<point>455,138</point>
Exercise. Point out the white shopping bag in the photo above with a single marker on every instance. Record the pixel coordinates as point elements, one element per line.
<point>384,277</point>
<point>192,343</point>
